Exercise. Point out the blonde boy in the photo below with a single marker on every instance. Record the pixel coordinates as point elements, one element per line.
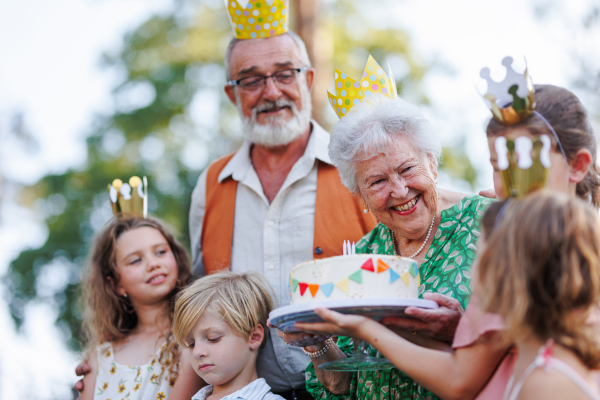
<point>222,320</point>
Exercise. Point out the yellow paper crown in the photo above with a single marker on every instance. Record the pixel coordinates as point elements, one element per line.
<point>348,92</point>
<point>251,19</point>
<point>129,198</point>
<point>511,100</point>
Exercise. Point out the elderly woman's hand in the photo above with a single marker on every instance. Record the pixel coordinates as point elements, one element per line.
<point>335,324</point>
<point>439,324</point>
<point>300,338</point>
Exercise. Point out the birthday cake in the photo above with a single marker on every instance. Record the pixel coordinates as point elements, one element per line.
<point>354,276</point>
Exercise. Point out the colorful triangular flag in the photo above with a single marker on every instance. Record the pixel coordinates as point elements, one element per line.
<point>381,266</point>
<point>368,265</point>
<point>418,280</point>
<point>414,269</point>
<point>327,288</point>
<point>314,288</point>
<point>357,276</point>
<point>303,287</point>
<point>405,278</point>
<point>393,276</point>
<point>343,284</point>
<point>295,283</point>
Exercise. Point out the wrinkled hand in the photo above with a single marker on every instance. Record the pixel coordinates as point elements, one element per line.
<point>81,370</point>
<point>335,323</point>
<point>299,338</point>
<point>489,193</point>
<point>437,323</point>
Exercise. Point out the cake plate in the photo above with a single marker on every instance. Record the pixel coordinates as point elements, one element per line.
<point>374,307</point>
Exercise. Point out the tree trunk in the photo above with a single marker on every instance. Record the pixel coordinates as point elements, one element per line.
<point>305,21</point>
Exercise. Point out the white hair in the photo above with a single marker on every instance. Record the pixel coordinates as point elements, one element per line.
<point>370,127</point>
<point>297,39</point>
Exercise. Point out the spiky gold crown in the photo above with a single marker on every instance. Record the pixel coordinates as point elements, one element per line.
<point>252,19</point>
<point>523,163</point>
<point>348,92</point>
<point>512,99</point>
<point>129,198</point>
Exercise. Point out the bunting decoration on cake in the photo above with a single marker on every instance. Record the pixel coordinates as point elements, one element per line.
<point>348,92</point>
<point>356,276</point>
<point>255,19</point>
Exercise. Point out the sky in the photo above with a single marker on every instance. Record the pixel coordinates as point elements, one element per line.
<point>50,71</point>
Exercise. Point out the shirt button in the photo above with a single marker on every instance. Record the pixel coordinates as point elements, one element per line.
<point>318,250</point>
<point>284,360</point>
<point>270,223</point>
<point>271,267</point>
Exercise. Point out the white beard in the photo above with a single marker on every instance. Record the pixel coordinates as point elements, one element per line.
<point>276,131</point>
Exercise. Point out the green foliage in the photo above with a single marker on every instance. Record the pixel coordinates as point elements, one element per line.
<point>170,139</point>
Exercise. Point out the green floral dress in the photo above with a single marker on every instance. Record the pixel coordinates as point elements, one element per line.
<point>445,270</point>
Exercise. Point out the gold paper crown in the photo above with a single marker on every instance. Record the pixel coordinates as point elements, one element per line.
<point>511,100</point>
<point>251,19</point>
<point>348,92</point>
<point>129,198</point>
<point>523,163</point>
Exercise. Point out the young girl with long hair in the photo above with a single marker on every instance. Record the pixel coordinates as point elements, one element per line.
<point>135,270</point>
<point>542,276</point>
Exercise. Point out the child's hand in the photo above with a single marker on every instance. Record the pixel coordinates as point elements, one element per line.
<point>335,324</point>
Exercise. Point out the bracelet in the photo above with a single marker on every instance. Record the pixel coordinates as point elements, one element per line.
<point>319,353</point>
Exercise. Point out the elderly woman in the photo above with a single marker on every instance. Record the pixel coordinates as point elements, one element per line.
<point>386,155</point>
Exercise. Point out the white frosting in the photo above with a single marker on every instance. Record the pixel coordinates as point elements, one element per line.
<point>333,274</point>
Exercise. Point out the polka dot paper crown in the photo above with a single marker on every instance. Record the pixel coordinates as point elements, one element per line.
<point>252,19</point>
<point>511,100</point>
<point>348,92</point>
<point>129,199</point>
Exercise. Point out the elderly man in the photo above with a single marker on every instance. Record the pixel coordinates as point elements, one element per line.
<point>277,201</point>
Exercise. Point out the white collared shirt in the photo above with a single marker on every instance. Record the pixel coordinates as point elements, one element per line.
<point>284,230</point>
<point>257,390</point>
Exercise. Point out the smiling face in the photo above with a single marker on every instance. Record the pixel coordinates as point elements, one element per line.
<point>398,186</point>
<point>286,108</point>
<point>558,175</point>
<point>219,355</point>
<point>146,266</point>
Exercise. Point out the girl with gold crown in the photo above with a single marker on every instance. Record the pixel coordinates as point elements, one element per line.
<point>135,270</point>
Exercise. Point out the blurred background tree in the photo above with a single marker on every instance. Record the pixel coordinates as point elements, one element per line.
<point>173,118</point>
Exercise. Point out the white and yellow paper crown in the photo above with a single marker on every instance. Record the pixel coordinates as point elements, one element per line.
<point>129,198</point>
<point>511,100</point>
<point>348,92</point>
<point>252,19</point>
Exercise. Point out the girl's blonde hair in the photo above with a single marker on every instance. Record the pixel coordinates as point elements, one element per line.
<point>244,300</point>
<point>109,317</point>
<point>541,271</point>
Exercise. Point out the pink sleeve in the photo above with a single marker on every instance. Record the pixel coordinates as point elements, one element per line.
<point>474,323</point>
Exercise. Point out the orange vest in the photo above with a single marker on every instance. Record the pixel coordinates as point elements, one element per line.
<point>338,216</point>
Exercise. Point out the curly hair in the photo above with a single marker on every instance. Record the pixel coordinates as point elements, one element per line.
<point>542,273</point>
<point>109,317</point>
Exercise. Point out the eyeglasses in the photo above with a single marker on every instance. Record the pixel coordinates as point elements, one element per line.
<point>258,82</point>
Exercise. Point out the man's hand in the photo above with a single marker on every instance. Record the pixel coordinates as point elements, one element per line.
<point>439,324</point>
<point>81,370</point>
<point>489,193</point>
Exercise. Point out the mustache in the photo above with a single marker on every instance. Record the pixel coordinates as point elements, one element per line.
<point>273,105</point>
